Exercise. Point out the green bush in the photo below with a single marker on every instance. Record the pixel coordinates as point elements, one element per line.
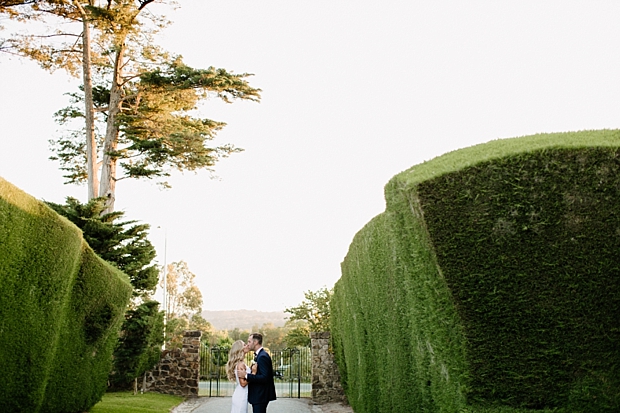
<point>491,283</point>
<point>60,310</point>
<point>139,347</point>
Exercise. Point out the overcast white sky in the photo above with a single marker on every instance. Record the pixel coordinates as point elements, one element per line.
<point>353,93</point>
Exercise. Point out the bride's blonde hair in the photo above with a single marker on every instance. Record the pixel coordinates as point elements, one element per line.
<point>235,356</point>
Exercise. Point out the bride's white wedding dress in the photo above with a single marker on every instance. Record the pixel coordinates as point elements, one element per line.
<point>240,396</point>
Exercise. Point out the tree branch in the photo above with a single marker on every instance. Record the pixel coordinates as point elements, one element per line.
<point>12,3</point>
<point>144,3</point>
<point>127,79</point>
<point>57,14</point>
<point>7,51</point>
<point>41,36</point>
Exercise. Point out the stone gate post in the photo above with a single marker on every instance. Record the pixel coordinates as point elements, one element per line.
<point>326,385</point>
<point>178,371</point>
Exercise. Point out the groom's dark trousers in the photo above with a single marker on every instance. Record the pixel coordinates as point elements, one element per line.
<point>259,408</point>
<point>261,389</point>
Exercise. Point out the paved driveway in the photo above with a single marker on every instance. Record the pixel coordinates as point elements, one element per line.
<point>222,405</point>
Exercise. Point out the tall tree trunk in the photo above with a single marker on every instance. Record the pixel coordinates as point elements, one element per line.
<point>91,144</point>
<point>107,187</point>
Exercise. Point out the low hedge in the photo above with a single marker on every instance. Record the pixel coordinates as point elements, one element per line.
<point>60,310</point>
<point>491,283</point>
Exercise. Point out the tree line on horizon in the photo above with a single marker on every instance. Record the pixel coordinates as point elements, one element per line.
<point>311,315</point>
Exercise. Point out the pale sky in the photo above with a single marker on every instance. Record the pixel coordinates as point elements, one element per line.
<point>354,92</point>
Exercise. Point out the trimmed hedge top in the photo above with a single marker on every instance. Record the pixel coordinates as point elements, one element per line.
<point>502,148</point>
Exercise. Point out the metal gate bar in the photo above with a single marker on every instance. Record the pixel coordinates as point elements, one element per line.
<point>292,372</point>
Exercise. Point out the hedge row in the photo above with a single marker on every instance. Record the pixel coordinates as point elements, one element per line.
<point>491,283</point>
<point>60,310</point>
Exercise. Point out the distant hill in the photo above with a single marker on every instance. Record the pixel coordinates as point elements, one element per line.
<point>244,319</point>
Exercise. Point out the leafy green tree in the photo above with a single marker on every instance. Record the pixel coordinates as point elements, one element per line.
<point>238,334</point>
<point>314,309</point>
<point>198,322</point>
<point>139,346</point>
<point>220,358</point>
<point>273,337</point>
<point>311,315</point>
<point>298,334</point>
<point>124,244</point>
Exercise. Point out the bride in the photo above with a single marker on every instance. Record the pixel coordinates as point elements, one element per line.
<point>235,365</point>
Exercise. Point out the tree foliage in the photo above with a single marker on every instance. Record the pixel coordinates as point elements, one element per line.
<point>183,303</point>
<point>53,34</point>
<point>298,334</point>
<point>184,296</point>
<point>136,108</point>
<point>314,309</point>
<point>156,132</point>
<point>138,349</point>
<point>124,244</point>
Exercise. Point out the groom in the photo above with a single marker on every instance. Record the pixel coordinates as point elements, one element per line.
<point>261,389</point>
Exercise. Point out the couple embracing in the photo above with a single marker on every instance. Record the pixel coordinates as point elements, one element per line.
<point>255,383</point>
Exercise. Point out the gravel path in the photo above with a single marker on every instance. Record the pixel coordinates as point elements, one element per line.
<point>222,405</point>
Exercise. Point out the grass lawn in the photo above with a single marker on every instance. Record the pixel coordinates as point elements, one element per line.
<point>126,402</point>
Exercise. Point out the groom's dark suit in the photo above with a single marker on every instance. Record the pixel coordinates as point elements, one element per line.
<point>261,389</point>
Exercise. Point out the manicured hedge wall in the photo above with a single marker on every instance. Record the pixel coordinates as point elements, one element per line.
<point>60,310</point>
<point>491,283</point>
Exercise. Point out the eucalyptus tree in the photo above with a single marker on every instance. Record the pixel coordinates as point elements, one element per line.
<point>54,49</point>
<point>137,101</point>
<point>183,305</point>
<point>184,296</point>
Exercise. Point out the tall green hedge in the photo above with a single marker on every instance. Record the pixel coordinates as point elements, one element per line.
<point>60,310</point>
<point>491,283</point>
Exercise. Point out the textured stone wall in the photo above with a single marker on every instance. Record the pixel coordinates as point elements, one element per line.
<point>326,385</point>
<point>178,371</point>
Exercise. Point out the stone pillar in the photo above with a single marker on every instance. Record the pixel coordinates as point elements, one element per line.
<point>326,385</point>
<point>178,370</point>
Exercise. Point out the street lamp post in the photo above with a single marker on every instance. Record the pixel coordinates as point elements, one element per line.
<point>165,280</point>
<point>165,298</point>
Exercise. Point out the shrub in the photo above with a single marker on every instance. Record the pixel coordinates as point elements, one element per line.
<point>491,283</point>
<point>139,347</point>
<point>60,310</point>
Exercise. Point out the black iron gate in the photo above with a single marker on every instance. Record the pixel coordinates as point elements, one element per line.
<point>292,369</point>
